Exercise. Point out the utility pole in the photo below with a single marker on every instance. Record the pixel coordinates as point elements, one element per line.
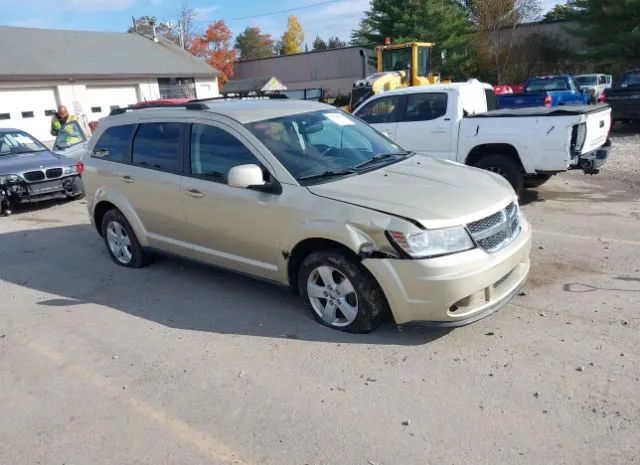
<point>135,26</point>
<point>181,32</point>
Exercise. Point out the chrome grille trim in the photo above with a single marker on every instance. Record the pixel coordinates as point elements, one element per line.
<point>498,230</point>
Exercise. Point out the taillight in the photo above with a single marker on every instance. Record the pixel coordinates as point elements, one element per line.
<point>602,98</point>
<point>80,167</point>
<point>547,101</point>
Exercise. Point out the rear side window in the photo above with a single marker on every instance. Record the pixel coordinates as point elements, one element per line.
<point>113,145</point>
<point>382,110</point>
<point>424,107</point>
<point>157,145</point>
<point>214,152</point>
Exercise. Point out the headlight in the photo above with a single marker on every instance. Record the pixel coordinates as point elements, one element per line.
<point>71,169</point>
<point>9,178</point>
<point>426,244</point>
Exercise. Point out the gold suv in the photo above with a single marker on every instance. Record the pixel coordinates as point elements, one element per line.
<point>303,194</point>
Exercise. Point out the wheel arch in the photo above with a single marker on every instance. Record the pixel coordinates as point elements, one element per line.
<point>484,150</point>
<point>105,201</point>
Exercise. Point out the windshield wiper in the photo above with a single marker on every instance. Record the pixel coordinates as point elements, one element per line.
<point>377,158</point>
<point>28,151</point>
<point>329,174</point>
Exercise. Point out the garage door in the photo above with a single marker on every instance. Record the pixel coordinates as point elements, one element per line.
<point>30,110</point>
<point>105,98</point>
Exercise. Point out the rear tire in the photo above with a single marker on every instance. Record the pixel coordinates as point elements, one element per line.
<point>121,242</point>
<point>504,166</point>
<point>341,293</point>
<point>536,180</point>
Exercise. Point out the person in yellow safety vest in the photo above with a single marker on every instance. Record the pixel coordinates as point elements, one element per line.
<point>66,133</point>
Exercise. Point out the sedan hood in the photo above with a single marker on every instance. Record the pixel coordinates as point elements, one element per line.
<point>20,163</point>
<point>436,193</point>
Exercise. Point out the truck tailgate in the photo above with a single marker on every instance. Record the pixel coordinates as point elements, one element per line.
<point>598,126</point>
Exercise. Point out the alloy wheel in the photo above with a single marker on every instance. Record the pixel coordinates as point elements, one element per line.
<point>332,296</point>
<point>119,242</point>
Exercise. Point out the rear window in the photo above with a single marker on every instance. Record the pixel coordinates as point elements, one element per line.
<point>547,85</point>
<point>157,145</point>
<point>630,79</point>
<point>113,145</point>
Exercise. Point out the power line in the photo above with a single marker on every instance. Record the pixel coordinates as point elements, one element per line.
<point>276,12</point>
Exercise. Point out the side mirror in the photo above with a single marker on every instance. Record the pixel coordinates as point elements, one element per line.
<point>251,177</point>
<point>243,176</point>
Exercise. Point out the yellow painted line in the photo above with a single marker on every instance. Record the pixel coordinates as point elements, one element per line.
<point>579,236</point>
<point>206,445</point>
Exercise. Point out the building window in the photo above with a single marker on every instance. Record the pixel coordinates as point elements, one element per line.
<point>5,116</point>
<point>27,114</point>
<point>96,109</point>
<point>49,112</point>
<point>177,87</point>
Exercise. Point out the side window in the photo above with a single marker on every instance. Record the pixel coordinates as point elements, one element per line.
<point>114,143</point>
<point>157,145</point>
<point>214,152</point>
<point>382,110</point>
<point>424,107</point>
<point>602,80</point>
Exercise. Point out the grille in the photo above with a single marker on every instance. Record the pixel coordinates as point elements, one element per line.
<point>32,176</point>
<point>54,173</point>
<point>496,231</point>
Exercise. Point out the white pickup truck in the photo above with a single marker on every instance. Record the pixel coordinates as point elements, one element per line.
<point>527,146</point>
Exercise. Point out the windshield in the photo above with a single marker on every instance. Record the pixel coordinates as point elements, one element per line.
<point>547,85</point>
<point>324,143</point>
<point>587,80</point>
<point>396,60</point>
<point>630,80</point>
<point>15,142</point>
<point>69,134</point>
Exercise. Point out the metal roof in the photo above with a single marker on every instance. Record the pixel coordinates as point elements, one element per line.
<point>28,53</point>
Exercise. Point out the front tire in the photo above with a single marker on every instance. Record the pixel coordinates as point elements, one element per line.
<point>341,293</point>
<point>121,242</point>
<point>504,166</point>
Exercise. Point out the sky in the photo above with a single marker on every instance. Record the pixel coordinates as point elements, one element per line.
<point>334,19</point>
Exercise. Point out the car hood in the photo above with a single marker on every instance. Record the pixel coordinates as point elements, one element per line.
<point>436,193</point>
<point>20,163</point>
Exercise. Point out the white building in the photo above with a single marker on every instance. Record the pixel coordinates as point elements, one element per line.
<point>91,73</point>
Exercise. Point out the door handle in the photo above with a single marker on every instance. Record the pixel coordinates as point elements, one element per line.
<point>195,193</point>
<point>127,179</point>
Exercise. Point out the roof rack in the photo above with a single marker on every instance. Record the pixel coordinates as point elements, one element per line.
<point>198,104</point>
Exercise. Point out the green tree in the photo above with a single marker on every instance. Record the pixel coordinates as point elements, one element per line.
<point>564,12</point>
<point>293,38</point>
<point>336,42</point>
<point>444,22</point>
<point>253,44</point>
<point>612,31</point>
<point>319,44</point>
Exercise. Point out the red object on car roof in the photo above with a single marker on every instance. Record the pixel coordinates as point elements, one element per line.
<point>162,101</point>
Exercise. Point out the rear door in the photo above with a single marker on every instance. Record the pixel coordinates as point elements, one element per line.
<point>427,124</point>
<point>383,113</point>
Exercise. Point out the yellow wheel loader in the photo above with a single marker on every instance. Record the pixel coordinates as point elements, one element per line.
<point>399,65</point>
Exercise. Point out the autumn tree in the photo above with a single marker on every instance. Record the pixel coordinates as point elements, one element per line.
<point>252,44</point>
<point>495,23</point>
<point>335,42</point>
<point>293,37</point>
<point>214,46</point>
<point>319,44</point>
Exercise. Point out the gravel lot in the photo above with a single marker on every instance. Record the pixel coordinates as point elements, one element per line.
<point>184,364</point>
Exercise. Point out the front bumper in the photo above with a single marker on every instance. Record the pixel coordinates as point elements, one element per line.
<point>61,188</point>
<point>456,289</point>
<point>591,162</point>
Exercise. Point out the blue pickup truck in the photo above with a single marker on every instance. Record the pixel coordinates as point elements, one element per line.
<point>546,91</point>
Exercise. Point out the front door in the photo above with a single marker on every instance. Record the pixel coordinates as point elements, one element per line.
<point>427,124</point>
<point>230,227</point>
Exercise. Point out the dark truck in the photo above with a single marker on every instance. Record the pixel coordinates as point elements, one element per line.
<point>624,97</point>
<point>546,91</point>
